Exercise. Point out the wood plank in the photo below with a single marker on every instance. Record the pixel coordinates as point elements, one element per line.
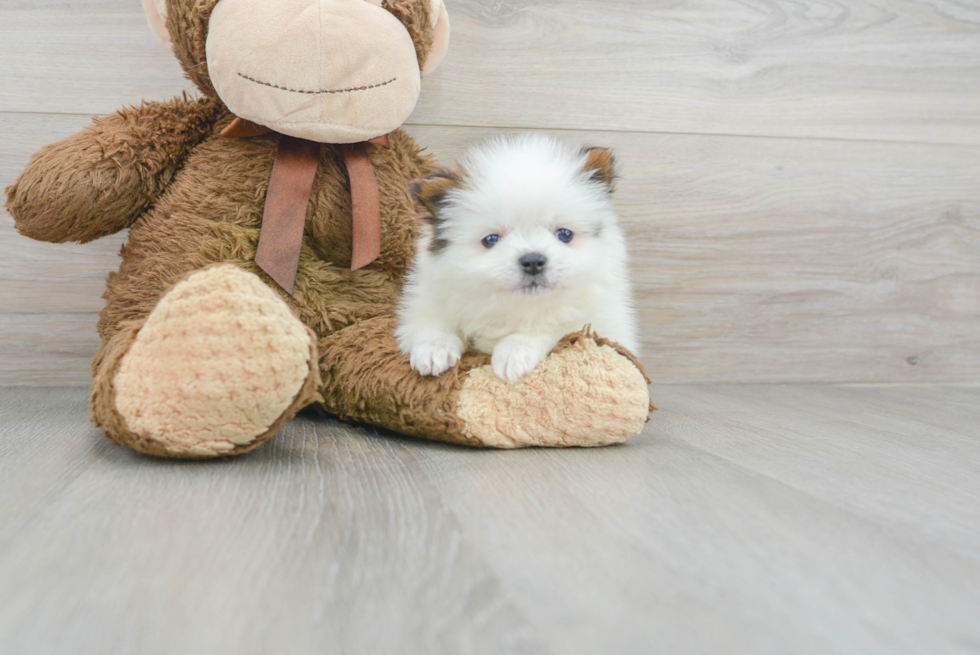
<point>745,519</point>
<point>325,539</point>
<point>865,70</point>
<point>88,57</point>
<point>853,447</point>
<point>722,556</point>
<point>755,260</point>
<point>47,349</point>
<point>45,445</point>
<point>887,70</point>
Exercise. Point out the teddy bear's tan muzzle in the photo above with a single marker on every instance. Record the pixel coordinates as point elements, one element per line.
<point>333,71</point>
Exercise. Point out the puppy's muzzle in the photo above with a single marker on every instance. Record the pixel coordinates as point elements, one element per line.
<point>533,263</point>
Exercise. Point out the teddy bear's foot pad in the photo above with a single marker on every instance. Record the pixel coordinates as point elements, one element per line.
<point>219,360</point>
<point>585,393</point>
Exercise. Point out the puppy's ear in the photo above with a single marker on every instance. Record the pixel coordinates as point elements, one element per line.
<point>431,190</point>
<point>600,165</point>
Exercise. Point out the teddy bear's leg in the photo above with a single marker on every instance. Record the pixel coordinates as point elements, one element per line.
<point>588,392</point>
<point>217,366</point>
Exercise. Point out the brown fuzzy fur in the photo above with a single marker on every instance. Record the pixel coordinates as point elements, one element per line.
<point>192,198</point>
<point>102,179</point>
<point>431,190</point>
<point>414,15</point>
<point>389,392</point>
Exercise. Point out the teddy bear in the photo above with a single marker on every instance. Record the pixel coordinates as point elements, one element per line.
<point>271,225</point>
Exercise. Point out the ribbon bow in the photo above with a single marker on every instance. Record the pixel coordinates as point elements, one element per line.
<point>290,185</point>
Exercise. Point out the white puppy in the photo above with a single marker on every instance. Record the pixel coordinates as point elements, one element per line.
<point>523,247</point>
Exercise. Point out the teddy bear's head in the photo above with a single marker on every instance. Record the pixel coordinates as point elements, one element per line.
<point>334,71</point>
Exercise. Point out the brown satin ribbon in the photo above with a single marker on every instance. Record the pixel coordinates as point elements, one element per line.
<point>365,206</point>
<point>288,197</point>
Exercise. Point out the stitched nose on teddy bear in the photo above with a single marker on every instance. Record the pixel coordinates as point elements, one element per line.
<point>331,71</point>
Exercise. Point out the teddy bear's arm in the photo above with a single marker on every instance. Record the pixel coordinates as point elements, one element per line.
<point>100,180</point>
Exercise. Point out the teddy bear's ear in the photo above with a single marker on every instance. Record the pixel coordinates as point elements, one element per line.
<point>440,36</point>
<point>431,190</point>
<point>156,16</point>
<point>600,165</point>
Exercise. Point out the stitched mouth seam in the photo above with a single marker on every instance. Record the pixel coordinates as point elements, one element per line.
<point>321,92</point>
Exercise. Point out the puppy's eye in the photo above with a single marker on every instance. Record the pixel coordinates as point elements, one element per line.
<point>564,235</point>
<point>490,240</point>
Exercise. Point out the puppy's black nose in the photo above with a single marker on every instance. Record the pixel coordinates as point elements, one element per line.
<point>533,263</point>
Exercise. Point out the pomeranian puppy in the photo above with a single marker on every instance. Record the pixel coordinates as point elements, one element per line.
<point>523,246</point>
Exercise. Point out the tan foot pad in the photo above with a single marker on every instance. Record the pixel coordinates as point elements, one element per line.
<point>217,362</point>
<point>585,393</point>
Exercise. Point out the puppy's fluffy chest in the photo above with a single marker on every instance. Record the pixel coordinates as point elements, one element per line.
<point>490,317</point>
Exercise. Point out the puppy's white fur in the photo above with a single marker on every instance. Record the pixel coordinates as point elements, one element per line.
<point>461,294</point>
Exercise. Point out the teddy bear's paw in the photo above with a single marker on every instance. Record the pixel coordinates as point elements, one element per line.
<point>585,393</point>
<point>217,363</point>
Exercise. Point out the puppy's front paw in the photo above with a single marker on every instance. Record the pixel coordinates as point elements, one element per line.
<point>435,357</point>
<point>513,358</point>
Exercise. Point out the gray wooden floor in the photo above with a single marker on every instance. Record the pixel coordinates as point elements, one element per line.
<point>745,519</point>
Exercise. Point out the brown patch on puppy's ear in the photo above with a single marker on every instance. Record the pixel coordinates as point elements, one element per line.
<point>431,190</point>
<point>600,164</point>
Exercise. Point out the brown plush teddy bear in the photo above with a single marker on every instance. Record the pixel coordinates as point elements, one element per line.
<point>270,230</point>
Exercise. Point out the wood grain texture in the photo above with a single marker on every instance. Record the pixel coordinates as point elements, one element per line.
<point>755,259</point>
<point>326,543</point>
<point>727,528</point>
<point>81,57</point>
<point>745,519</point>
<point>895,70</point>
